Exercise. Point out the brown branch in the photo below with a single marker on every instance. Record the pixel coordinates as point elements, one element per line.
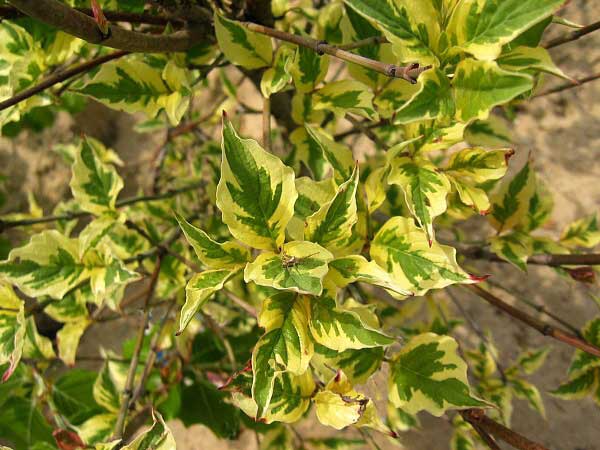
<point>59,77</point>
<point>552,260</point>
<point>490,442</point>
<point>408,73</point>
<point>573,35</point>
<point>542,327</point>
<point>6,224</point>
<point>127,394</point>
<point>374,40</point>
<point>565,86</point>
<point>10,13</point>
<point>478,419</point>
<point>76,23</point>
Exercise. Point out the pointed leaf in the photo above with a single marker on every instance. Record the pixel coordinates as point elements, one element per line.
<point>300,267</point>
<point>481,85</point>
<point>346,96</point>
<point>12,329</point>
<point>425,189</point>
<point>214,255</point>
<point>241,46</point>
<point>429,375</point>
<point>357,364</point>
<point>338,155</point>
<point>308,69</point>
<point>515,248</point>
<point>482,27</point>
<point>530,59</point>
<point>256,192</point>
<point>277,77</point>
<point>582,233</point>
<point>577,387</point>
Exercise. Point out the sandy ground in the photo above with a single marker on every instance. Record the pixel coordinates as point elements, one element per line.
<point>562,133</point>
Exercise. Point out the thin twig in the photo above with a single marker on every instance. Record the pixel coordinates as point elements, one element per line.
<point>477,418</point>
<point>59,77</point>
<point>367,132</point>
<point>408,73</point>
<point>6,224</point>
<point>565,86</point>
<point>128,391</point>
<point>373,40</point>
<point>542,327</point>
<point>139,391</point>
<point>241,303</point>
<point>490,442</point>
<point>552,260</point>
<point>8,12</point>
<point>573,35</point>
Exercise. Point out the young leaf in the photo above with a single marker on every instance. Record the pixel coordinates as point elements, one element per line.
<point>583,361</point>
<point>483,27</point>
<point>582,233</point>
<point>527,391</point>
<point>514,247</point>
<point>532,360</point>
<point>95,185</point>
<point>331,226</point>
<point>158,437</point>
<point>481,85</point>
<point>214,255</point>
<point>285,346</point>
<point>346,96</point>
<point>277,77</point>
<point>241,46</point>
<point>338,155</point>
<point>199,290</point>
<point>412,28</point>
<point>256,192</point>
<point>577,386</point>
<point>134,84</point>
<point>510,203</point>
<point>425,189</point>
<point>300,267</point>
<point>341,329</point>
<point>404,250</point>
<point>12,329</point>
<point>427,374</point>
<point>433,99</point>
<point>48,265</point>
<point>308,69</point>
<point>530,59</point>
<point>353,268</point>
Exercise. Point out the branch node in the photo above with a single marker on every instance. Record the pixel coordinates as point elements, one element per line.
<point>319,47</point>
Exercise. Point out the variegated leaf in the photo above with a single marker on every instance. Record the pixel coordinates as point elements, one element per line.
<point>68,338</point>
<point>97,429</point>
<point>346,96</point>
<point>338,405</point>
<point>308,69</point>
<point>530,60</point>
<point>514,247</point>
<point>578,386</point>
<point>308,152</point>
<point>404,250</point>
<point>493,132</point>
<point>395,95</point>
<point>286,345</point>
<point>277,77</point>
<point>12,329</point>
<point>48,265</point>
<point>107,276</point>
<point>213,254</point>
<point>135,84</point>
<point>110,384</point>
<point>411,27</point>
<point>481,85</point>
<point>532,360</point>
<point>540,209</point>
<point>95,185</point>
<point>300,267</point>
<point>256,192</point>
<point>427,374</point>
<point>311,195</point>
<point>482,27</point>
<point>241,46</point>
<point>340,328</point>
<point>584,232</point>
<point>583,361</point>
<point>425,189</point>
<point>199,290</point>
<point>357,364</point>
<point>35,345</point>
<point>510,203</point>
<point>157,437</point>
<point>338,155</point>
<point>353,268</point>
<point>529,392</point>
<point>432,100</point>
<point>477,165</point>
<point>331,225</point>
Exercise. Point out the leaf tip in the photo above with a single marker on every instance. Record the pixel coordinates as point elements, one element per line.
<point>509,154</point>
<point>477,278</point>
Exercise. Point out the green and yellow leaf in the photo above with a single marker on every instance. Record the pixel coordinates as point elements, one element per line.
<point>530,60</point>
<point>277,77</point>
<point>300,267</point>
<point>338,155</point>
<point>514,247</point>
<point>242,46</point>
<point>158,437</point>
<point>582,233</point>
<point>213,254</point>
<point>12,329</point>
<point>578,386</point>
<point>346,96</point>
<point>427,374</point>
<point>308,69</point>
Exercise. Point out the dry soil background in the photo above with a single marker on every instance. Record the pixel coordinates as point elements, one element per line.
<point>561,131</point>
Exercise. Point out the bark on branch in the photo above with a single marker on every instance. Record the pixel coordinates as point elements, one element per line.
<point>76,23</point>
<point>557,260</point>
